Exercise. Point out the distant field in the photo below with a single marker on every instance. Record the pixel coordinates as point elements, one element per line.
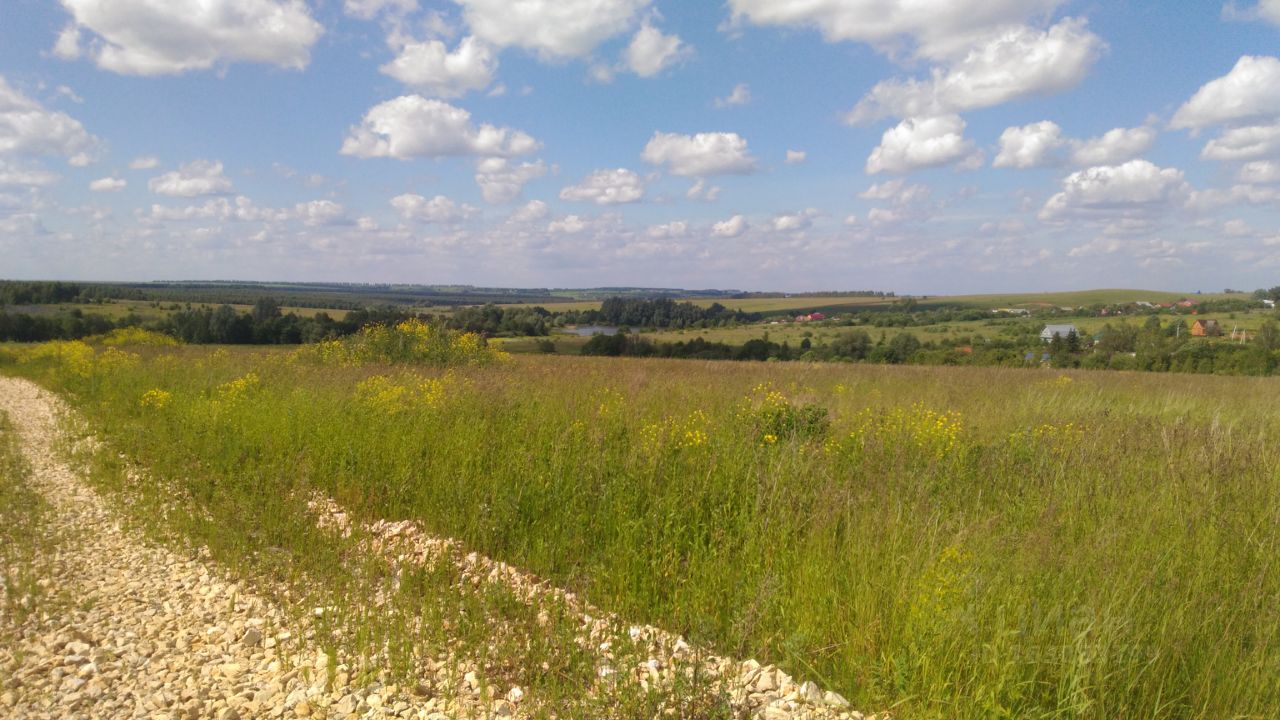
<point>1076,298</point>
<point>151,310</point>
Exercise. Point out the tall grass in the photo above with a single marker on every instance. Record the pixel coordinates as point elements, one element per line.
<point>949,542</point>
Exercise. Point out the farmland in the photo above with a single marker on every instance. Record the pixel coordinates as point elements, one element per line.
<point>946,542</point>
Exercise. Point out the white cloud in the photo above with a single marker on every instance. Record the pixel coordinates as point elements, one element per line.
<point>731,228</point>
<point>199,177</point>
<point>702,190</point>
<point>1250,91</point>
<point>67,45</point>
<point>1114,146</point>
<point>1135,185</point>
<point>1018,62</point>
<point>439,209</point>
<point>321,212</point>
<point>412,126</point>
<point>796,157</point>
<point>12,176</point>
<point>700,155</point>
<point>897,191</point>
<point>1244,143</point>
<point>1042,143</point>
<point>157,37</point>
<point>794,222</point>
<point>28,128</point>
<point>554,29</point>
<point>606,187</point>
<point>369,9</point>
<point>502,181</point>
<point>240,208</point>
<point>429,66</point>
<point>923,142</point>
<point>1029,146</point>
<point>567,225</point>
<point>673,229</point>
<point>146,162</point>
<point>1265,10</point>
<point>108,184</point>
<point>741,95</point>
<point>651,52</point>
<point>529,212</point>
<point>935,26</point>
<point>1260,171</point>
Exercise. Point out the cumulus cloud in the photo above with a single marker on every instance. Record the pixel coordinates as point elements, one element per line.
<point>432,68</point>
<point>673,229</point>
<point>1042,143</point>
<point>13,176</point>
<point>529,212</point>
<point>794,222</point>
<point>923,142</point>
<point>651,52</point>
<point>1018,62</point>
<point>158,37</point>
<point>1244,143</point>
<point>369,9</point>
<point>934,27</point>
<point>1135,185</point>
<point>740,95</point>
<point>1029,146</point>
<point>321,212</point>
<point>1250,91</point>
<point>702,190</point>
<point>196,178</point>
<point>606,187</point>
<point>1113,147</point>
<point>796,157</point>
<point>897,191</point>
<point>1260,171</point>
<point>700,155</point>
<point>731,228</point>
<point>1265,10</point>
<point>553,29</point>
<point>567,225</point>
<point>502,181</point>
<point>412,126</point>
<point>108,184</point>
<point>28,128</point>
<point>240,208</point>
<point>146,162</point>
<point>439,209</point>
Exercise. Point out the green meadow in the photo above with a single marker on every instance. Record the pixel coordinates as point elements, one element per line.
<point>941,542</point>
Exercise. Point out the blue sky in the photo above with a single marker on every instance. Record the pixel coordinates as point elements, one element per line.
<point>926,146</point>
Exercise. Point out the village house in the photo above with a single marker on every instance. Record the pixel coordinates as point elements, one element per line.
<point>1061,331</point>
<point>1206,328</point>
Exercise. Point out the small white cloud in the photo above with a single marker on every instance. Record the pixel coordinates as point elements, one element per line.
<point>12,176</point>
<point>700,155</point>
<point>144,37</point>
<point>196,178</point>
<point>702,190</point>
<point>28,128</point>
<point>321,212</point>
<point>794,222</point>
<point>554,29</point>
<point>1113,147</point>
<point>606,187</point>
<point>431,67</point>
<point>651,52</point>
<point>1016,62</point>
<point>673,229</point>
<point>369,9</point>
<point>529,212</point>
<point>1251,142</point>
<point>1250,91</point>
<point>439,209</point>
<point>502,181</point>
<point>567,225</point>
<point>1030,145</point>
<point>796,157</point>
<point>108,184</point>
<point>412,126</point>
<point>146,162</point>
<point>741,95</point>
<point>1260,171</point>
<point>731,228</point>
<point>921,143</point>
<point>1110,189</point>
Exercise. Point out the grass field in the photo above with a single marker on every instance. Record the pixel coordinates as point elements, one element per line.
<point>950,542</point>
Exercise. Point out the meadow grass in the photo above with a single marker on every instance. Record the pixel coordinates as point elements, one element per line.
<point>946,542</point>
<point>23,513</point>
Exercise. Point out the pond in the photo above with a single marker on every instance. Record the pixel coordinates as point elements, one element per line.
<point>589,330</point>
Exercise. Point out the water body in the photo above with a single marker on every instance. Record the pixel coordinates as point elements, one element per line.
<point>589,330</point>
